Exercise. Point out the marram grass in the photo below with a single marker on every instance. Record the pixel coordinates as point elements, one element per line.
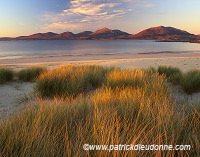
<point>30,74</point>
<point>189,81</point>
<point>70,80</point>
<point>173,74</point>
<point>117,111</point>
<point>6,75</point>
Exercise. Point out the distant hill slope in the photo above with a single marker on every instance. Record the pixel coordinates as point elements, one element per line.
<point>162,32</point>
<point>6,39</point>
<point>103,33</point>
<point>38,36</point>
<point>64,36</point>
<point>198,36</point>
<point>107,33</point>
<point>84,34</point>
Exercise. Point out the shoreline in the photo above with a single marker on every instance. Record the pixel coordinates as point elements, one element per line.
<point>184,60</point>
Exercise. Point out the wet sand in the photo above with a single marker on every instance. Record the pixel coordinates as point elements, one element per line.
<point>183,60</point>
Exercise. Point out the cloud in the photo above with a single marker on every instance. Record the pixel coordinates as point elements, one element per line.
<point>150,5</point>
<point>87,13</point>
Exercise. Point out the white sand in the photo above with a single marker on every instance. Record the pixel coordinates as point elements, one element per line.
<point>184,64</point>
<point>183,60</point>
<point>13,95</point>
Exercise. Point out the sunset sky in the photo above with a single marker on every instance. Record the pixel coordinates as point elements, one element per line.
<point>24,17</point>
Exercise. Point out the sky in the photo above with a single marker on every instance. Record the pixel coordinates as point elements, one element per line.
<point>25,17</point>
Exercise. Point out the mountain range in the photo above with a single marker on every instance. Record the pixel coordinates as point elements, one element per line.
<point>158,33</point>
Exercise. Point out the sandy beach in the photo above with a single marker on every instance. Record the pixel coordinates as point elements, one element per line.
<point>12,94</point>
<point>183,60</point>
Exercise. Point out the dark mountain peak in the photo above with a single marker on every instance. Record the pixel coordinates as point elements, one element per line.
<point>50,34</point>
<point>105,29</point>
<point>161,32</point>
<point>107,33</point>
<point>169,30</point>
<point>120,33</point>
<point>43,34</point>
<point>116,30</point>
<point>160,27</point>
<point>84,34</point>
<point>101,31</point>
<point>65,36</point>
<point>38,36</point>
<point>69,33</point>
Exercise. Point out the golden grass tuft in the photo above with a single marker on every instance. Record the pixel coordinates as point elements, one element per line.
<point>30,74</point>
<point>6,75</point>
<point>70,80</point>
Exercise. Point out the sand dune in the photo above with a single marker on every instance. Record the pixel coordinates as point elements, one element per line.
<point>11,93</point>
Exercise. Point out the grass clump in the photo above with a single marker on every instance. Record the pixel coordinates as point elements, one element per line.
<point>125,78</point>
<point>173,74</point>
<point>137,79</point>
<point>150,70</point>
<point>6,75</point>
<point>191,81</point>
<point>70,80</point>
<point>30,74</point>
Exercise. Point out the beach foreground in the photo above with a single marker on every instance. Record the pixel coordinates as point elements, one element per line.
<point>76,106</point>
<point>14,93</point>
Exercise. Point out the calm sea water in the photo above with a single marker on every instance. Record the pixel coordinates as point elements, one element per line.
<point>53,47</point>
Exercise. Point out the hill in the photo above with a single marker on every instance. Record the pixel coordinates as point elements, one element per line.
<point>106,33</point>
<point>155,33</point>
<point>64,36</point>
<point>162,33</point>
<point>84,34</point>
<point>103,33</point>
<point>38,36</point>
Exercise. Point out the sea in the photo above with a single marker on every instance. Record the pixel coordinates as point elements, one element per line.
<point>59,47</point>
